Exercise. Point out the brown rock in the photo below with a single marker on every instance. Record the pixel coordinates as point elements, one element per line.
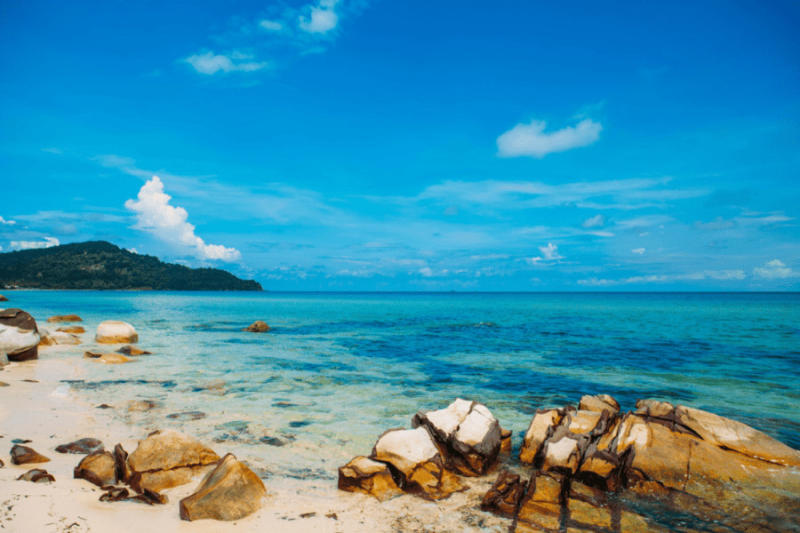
<point>23,335</point>
<point>65,318</point>
<point>84,446</point>
<point>121,469</point>
<point>159,480</point>
<point>72,329</point>
<point>139,406</point>
<point>3,298</point>
<point>505,440</point>
<point>362,474</point>
<point>116,332</point>
<point>229,492</point>
<point>505,494</point>
<point>132,350</point>
<point>114,494</point>
<point>162,450</point>
<point>259,326</point>
<point>110,358</point>
<point>37,475</point>
<point>541,505</point>
<point>541,427</point>
<point>97,468</point>
<point>21,455</point>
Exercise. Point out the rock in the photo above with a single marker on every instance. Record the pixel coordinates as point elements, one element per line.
<point>121,469</point>
<point>116,332</point>
<point>4,384</point>
<point>229,492</point>
<point>138,406</point>
<point>19,336</point>
<point>540,428</point>
<point>504,495</point>
<point>65,318</point>
<point>21,455</point>
<point>599,403</point>
<point>109,358</point>
<point>150,497</point>
<point>505,440</point>
<point>97,468</point>
<point>362,474</point>
<point>86,445</point>
<point>415,456</point>
<point>132,350</point>
<point>540,506</point>
<point>167,459</point>
<point>37,475</point>
<point>3,298</point>
<point>468,433</point>
<point>187,415</point>
<point>259,326</point>
<point>52,338</point>
<point>72,329</point>
<point>115,494</point>
<point>3,360</point>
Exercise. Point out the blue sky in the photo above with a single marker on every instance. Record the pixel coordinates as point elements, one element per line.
<point>384,145</point>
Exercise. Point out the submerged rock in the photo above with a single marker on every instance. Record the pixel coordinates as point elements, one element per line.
<point>65,318</point>
<point>84,446</point>
<point>72,329</point>
<point>109,358</point>
<point>468,432</point>
<point>21,455</point>
<point>167,459</point>
<point>116,332</point>
<point>229,492</point>
<point>259,326</point>
<point>132,350</point>
<point>3,298</point>
<point>140,406</point>
<point>362,474</point>
<point>37,475</point>
<point>19,336</point>
<point>97,468</point>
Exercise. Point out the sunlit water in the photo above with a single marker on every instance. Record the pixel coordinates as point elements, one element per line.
<point>336,370</point>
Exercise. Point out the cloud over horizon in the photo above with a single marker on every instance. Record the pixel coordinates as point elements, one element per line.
<point>210,63</point>
<point>47,242</point>
<point>533,141</point>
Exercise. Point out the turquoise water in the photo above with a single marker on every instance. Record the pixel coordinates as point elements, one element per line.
<point>338,369</point>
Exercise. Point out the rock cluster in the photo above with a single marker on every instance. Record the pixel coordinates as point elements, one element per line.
<point>19,335</point>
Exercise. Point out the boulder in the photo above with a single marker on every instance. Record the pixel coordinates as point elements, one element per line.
<point>599,402</point>
<point>259,326</point>
<point>37,475</point>
<point>53,338</point>
<point>504,495</point>
<point>84,446</point>
<point>116,332</point>
<point>167,459</point>
<point>19,336</point>
<point>541,427</point>
<point>21,455</point>
<point>540,506</point>
<point>3,298</point>
<point>65,318</point>
<point>109,358</point>
<point>416,458</point>
<point>229,492</point>
<point>132,351</point>
<point>362,474</point>
<point>97,468</point>
<point>467,432</point>
<point>75,330</point>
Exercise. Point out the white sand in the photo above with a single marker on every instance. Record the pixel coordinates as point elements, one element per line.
<point>49,414</point>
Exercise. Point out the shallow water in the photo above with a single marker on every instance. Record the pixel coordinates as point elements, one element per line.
<point>338,369</point>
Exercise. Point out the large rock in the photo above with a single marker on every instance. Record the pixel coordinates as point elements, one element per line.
<point>600,403</point>
<point>21,455</point>
<point>83,446</point>
<point>416,458</point>
<point>467,432</point>
<point>229,492</point>
<point>167,459</point>
<point>65,318</point>
<point>97,468</point>
<point>540,429</point>
<point>52,338</point>
<point>19,336</point>
<point>259,326</point>
<point>362,474</point>
<point>116,332</point>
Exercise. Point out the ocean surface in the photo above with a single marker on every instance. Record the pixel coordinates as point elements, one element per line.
<point>337,369</point>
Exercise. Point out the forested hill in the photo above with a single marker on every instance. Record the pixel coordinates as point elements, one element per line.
<point>102,265</point>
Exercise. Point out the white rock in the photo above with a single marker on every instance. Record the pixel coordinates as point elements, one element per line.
<point>405,448</point>
<point>116,332</point>
<point>15,340</point>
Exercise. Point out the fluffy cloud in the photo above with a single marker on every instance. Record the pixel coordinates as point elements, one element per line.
<point>549,253</point>
<point>31,245</point>
<point>719,275</point>
<point>775,269</point>
<point>320,18</point>
<point>5,222</point>
<point>531,139</point>
<point>209,63</point>
<point>169,223</point>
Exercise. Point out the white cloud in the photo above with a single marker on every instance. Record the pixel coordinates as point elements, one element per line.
<point>7,222</point>
<point>320,18</point>
<point>426,271</point>
<point>48,242</point>
<point>169,223</point>
<point>719,275</point>
<point>639,251</point>
<point>644,221</point>
<point>271,25</point>
<point>596,221</point>
<point>549,253</point>
<point>210,63</point>
<point>775,269</point>
<point>531,139</point>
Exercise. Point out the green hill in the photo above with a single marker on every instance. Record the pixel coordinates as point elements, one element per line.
<point>102,265</point>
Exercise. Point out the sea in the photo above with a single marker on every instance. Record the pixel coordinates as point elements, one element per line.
<point>338,369</point>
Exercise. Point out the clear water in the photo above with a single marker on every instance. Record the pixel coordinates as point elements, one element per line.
<point>338,369</point>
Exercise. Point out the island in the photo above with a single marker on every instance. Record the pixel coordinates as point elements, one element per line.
<point>101,265</point>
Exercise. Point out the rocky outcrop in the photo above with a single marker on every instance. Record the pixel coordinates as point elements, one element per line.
<point>37,475</point>
<point>365,475</point>
<point>420,467</point>
<point>22,455</point>
<point>167,459</point>
<point>259,326</point>
<point>65,318</point>
<point>116,332</point>
<point>467,432</point>
<point>84,446</point>
<point>97,468</point>
<point>229,492</point>
<point>19,336</point>
<point>109,358</point>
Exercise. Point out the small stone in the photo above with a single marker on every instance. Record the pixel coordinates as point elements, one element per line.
<point>138,406</point>
<point>72,329</point>
<point>65,318</point>
<point>114,494</point>
<point>504,495</point>
<point>21,455</point>
<point>84,446</point>
<point>110,358</point>
<point>97,468</point>
<point>37,475</point>
<point>187,415</point>
<point>259,326</point>
<point>132,351</point>
<point>364,475</point>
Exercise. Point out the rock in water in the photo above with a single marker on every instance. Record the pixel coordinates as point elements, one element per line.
<point>97,468</point>
<point>3,298</point>
<point>19,336</point>
<point>51,338</point>
<point>132,350</point>
<point>109,358</point>
<point>37,475</point>
<point>21,455</point>
<point>65,318</point>
<point>116,332</point>
<point>468,433</point>
<point>600,403</point>
<point>229,492</point>
<point>167,459</point>
<point>84,446</point>
<point>259,326</point>
<point>362,474</point>
<point>415,456</point>
<point>72,329</point>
